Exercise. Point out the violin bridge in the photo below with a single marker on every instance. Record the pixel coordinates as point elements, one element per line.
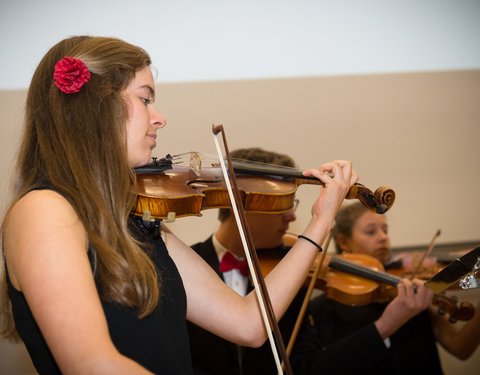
<point>195,163</point>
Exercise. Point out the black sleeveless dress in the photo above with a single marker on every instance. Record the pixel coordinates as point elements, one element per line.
<point>158,342</point>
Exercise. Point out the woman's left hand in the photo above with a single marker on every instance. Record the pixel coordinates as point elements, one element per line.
<point>337,176</point>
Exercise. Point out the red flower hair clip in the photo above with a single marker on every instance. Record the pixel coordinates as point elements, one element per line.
<point>70,75</point>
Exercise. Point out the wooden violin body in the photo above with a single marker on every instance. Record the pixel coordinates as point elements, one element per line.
<point>348,286</point>
<point>186,193</point>
<point>360,279</point>
<point>164,188</point>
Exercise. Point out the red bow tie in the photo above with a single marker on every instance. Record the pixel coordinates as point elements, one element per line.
<point>229,262</point>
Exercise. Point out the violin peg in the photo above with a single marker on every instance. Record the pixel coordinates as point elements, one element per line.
<point>452,319</point>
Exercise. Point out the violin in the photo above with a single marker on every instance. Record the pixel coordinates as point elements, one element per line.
<point>360,279</point>
<point>404,263</point>
<point>165,188</point>
<point>420,265</point>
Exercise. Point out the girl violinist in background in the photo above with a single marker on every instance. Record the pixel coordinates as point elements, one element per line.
<point>398,337</point>
<point>89,289</point>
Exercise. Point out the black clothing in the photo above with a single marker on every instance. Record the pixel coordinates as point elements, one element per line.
<point>213,355</point>
<point>159,342</point>
<point>344,340</point>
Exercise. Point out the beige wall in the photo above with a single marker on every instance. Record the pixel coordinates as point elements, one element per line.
<point>417,133</point>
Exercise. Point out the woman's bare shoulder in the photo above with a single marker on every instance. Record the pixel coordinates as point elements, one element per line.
<point>41,205</point>
<point>40,224</point>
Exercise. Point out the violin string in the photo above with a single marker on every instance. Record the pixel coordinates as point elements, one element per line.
<point>211,158</point>
<point>345,265</point>
<point>256,167</point>
<point>204,160</point>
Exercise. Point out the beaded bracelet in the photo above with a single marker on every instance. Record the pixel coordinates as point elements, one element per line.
<point>313,242</point>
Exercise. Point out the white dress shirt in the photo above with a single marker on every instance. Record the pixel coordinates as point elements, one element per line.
<point>233,278</point>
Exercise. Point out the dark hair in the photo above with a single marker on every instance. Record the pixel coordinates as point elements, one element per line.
<point>259,155</point>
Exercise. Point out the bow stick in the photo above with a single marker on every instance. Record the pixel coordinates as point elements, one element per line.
<point>263,298</point>
<point>426,253</point>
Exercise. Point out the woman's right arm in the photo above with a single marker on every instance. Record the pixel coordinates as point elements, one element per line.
<point>45,246</point>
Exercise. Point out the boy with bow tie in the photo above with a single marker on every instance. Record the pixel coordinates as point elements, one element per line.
<point>224,252</point>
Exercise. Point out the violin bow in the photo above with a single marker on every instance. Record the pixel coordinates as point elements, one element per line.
<point>263,298</point>
<point>425,254</point>
<point>308,294</point>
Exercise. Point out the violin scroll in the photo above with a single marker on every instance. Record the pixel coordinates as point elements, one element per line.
<point>379,202</point>
<point>464,311</point>
<point>385,197</point>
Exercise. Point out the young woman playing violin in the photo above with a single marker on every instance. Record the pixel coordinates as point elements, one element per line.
<point>89,289</point>
<point>398,337</point>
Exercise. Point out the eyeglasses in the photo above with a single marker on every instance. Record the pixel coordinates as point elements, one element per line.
<point>296,202</point>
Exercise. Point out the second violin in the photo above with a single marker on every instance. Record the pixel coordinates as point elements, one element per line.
<point>359,279</point>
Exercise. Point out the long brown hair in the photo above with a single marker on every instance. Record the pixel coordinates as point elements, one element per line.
<point>76,144</point>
